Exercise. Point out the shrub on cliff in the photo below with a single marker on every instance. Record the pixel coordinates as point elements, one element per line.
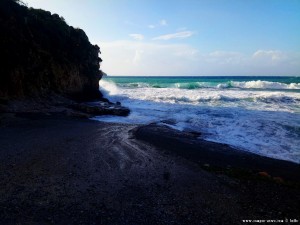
<point>41,54</point>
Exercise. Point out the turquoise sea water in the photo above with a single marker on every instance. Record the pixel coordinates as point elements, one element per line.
<point>256,114</point>
<point>267,82</point>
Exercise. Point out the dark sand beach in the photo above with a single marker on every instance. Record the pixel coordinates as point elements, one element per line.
<point>59,167</point>
<point>62,170</point>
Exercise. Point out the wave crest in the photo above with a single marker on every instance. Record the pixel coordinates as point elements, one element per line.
<point>258,84</point>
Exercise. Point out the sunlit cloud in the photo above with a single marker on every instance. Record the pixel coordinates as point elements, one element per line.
<point>178,35</point>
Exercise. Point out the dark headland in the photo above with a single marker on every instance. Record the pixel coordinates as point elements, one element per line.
<point>59,167</point>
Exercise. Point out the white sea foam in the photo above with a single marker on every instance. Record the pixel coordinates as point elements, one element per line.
<point>109,88</point>
<point>264,85</point>
<point>257,84</point>
<point>259,121</point>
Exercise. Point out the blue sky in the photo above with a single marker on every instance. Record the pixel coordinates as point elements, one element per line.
<point>188,37</point>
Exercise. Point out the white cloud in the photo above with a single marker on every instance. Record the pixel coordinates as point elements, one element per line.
<point>163,23</point>
<point>221,54</point>
<point>273,55</point>
<point>138,37</point>
<point>225,57</point>
<point>178,35</point>
<point>138,56</point>
<point>151,58</point>
<point>276,62</point>
<point>145,58</point>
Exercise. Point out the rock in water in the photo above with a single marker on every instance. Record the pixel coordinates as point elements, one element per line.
<point>102,108</point>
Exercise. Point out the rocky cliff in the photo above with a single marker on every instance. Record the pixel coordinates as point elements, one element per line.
<point>41,54</point>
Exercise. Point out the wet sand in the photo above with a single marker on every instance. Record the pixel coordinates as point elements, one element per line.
<point>59,170</point>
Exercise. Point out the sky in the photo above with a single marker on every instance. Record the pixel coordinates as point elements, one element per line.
<point>188,37</point>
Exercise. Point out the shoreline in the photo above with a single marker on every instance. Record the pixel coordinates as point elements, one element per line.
<point>262,120</point>
<point>58,170</point>
<point>212,154</point>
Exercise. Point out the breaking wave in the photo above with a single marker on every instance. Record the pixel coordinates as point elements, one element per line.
<point>230,84</point>
<point>264,85</point>
<point>262,117</point>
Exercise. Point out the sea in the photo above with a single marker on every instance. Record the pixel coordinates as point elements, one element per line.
<point>255,114</point>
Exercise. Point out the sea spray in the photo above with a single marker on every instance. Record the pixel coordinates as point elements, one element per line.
<point>109,88</point>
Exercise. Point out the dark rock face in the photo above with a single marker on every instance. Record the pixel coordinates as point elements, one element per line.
<point>41,54</point>
<point>101,108</point>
